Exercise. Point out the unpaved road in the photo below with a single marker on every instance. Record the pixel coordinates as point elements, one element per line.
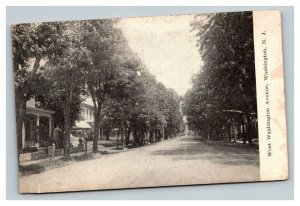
<point>179,161</point>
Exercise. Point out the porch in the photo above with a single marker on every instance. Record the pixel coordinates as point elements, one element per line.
<point>37,127</point>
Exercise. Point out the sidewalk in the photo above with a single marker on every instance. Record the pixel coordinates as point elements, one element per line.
<point>37,166</point>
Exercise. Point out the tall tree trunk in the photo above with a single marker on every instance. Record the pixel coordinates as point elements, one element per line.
<point>107,135</point>
<point>101,133</point>
<point>143,134</point>
<point>155,135</point>
<point>151,136</point>
<point>96,132</point>
<point>21,99</point>
<point>135,137</point>
<point>243,131</point>
<point>20,116</point>
<point>159,135</point>
<point>118,138</point>
<point>67,109</point>
<point>250,130</point>
<point>238,131</point>
<point>122,137</point>
<point>205,130</point>
<point>231,131</point>
<point>235,135</point>
<point>128,136</point>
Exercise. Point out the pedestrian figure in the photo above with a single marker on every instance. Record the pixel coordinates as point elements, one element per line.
<point>56,136</point>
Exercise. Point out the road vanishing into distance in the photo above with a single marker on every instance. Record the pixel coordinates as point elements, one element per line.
<point>179,161</point>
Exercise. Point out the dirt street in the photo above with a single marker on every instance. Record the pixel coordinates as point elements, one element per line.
<point>179,161</point>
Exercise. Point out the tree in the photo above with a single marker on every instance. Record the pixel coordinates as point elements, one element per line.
<point>174,116</point>
<point>51,97</point>
<point>226,82</point>
<point>32,45</point>
<point>113,65</point>
<point>156,109</point>
<point>69,70</point>
<point>72,58</point>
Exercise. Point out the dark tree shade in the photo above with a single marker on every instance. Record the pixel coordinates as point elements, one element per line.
<point>226,81</point>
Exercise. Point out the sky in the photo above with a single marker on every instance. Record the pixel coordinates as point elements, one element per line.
<point>166,46</point>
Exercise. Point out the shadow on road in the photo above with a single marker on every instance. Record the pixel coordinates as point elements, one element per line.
<point>31,169</point>
<point>216,152</point>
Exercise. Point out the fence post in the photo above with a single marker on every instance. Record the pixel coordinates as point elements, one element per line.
<point>53,150</point>
<point>85,146</point>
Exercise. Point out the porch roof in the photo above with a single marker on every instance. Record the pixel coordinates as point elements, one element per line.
<point>82,125</point>
<point>39,111</point>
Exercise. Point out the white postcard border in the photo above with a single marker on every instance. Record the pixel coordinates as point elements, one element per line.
<point>270,95</point>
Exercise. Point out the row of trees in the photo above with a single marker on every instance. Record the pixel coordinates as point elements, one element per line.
<point>61,63</point>
<point>222,102</point>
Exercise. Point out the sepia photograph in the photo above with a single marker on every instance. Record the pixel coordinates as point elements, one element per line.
<point>139,102</point>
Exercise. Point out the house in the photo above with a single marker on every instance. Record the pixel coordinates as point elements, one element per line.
<point>37,126</point>
<point>86,124</point>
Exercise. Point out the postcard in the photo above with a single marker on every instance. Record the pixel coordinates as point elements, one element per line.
<point>150,101</point>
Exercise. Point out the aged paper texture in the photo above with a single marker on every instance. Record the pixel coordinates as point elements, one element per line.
<point>150,101</point>
<point>270,95</point>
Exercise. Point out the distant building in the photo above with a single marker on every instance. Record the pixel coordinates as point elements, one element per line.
<point>86,124</point>
<point>87,111</point>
